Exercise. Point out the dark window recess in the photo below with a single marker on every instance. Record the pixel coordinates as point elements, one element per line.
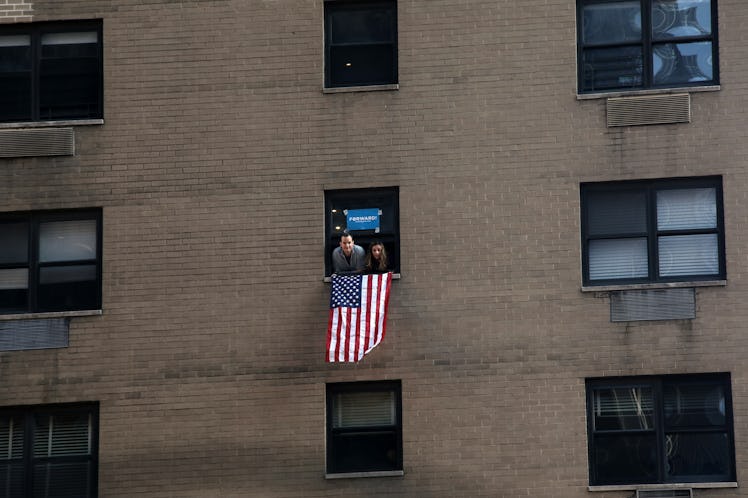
<point>49,451</point>
<point>667,429</point>
<point>652,231</point>
<point>360,43</point>
<point>340,208</point>
<point>364,428</point>
<point>637,44</point>
<point>51,71</point>
<point>50,261</point>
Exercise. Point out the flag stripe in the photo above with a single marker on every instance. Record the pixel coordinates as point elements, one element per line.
<point>357,322</point>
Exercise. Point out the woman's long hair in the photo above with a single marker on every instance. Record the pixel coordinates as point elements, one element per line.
<point>381,265</point>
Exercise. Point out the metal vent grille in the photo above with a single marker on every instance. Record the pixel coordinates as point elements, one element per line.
<point>37,142</point>
<point>649,110</point>
<point>664,493</point>
<point>16,335</point>
<point>654,304</point>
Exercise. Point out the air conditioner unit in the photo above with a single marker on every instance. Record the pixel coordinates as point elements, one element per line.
<point>664,493</point>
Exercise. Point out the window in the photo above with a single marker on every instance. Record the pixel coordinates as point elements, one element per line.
<point>364,429</point>
<point>368,215</point>
<point>50,71</point>
<point>49,451</point>
<point>360,43</point>
<point>653,231</point>
<point>50,261</point>
<point>636,44</point>
<point>660,429</point>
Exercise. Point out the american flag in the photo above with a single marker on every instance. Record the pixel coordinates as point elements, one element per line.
<point>358,315</point>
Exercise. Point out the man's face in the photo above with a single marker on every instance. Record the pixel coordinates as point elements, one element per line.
<point>346,243</point>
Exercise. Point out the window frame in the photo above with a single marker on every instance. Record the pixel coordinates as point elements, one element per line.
<point>650,189</point>
<point>647,44</point>
<point>35,31</point>
<point>333,6</point>
<point>332,389</point>
<point>34,219</point>
<point>658,384</point>
<point>391,240</point>
<point>28,414</point>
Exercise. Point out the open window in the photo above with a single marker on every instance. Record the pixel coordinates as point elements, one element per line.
<point>369,215</point>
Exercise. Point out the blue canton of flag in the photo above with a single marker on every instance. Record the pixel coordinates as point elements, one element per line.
<point>346,292</point>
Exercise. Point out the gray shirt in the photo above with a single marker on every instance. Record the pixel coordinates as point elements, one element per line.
<point>342,266</point>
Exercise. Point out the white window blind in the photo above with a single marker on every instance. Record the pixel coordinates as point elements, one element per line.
<point>11,438</point>
<point>689,255</point>
<point>364,409</point>
<point>67,241</point>
<point>618,258</point>
<point>62,435</point>
<point>17,278</point>
<point>624,408</point>
<point>69,38</point>
<point>684,209</point>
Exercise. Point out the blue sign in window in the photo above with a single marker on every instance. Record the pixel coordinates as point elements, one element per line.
<point>362,219</point>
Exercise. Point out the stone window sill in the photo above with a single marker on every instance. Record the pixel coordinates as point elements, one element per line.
<point>355,475</point>
<point>652,91</point>
<point>51,124</point>
<point>363,88</point>
<point>658,285</point>
<point>50,314</point>
<point>644,487</point>
<point>395,276</point>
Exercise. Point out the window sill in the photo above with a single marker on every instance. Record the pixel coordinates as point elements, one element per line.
<point>50,314</point>
<point>643,487</point>
<point>395,276</point>
<point>659,285</point>
<point>653,91</point>
<point>362,88</point>
<point>355,475</point>
<point>50,124</point>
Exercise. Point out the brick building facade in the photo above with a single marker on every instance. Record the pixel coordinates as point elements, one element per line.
<point>198,177</point>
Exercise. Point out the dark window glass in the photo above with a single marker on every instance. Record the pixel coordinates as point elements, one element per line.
<point>49,451</point>
<point>637,44</point>
<point>660,429</point>
<point>364,429</point>
<point>50,71</point>
<point>654,231</point>
<point>15,77</point>
<point>52,261</point>
<point>612,68</point>
<point>360,43</point>
<point>338,203</point>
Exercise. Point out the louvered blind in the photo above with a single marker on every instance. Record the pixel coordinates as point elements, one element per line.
<point>684,209</point>
<point>363,409</point>
<point>694,405</point>
<point>618,258</point>
<point>62,435</point>
<point>624,408</point>
<point>11,438</point>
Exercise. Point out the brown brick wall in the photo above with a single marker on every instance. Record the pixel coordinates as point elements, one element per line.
<point>12,11</point>
<point>218,144</point>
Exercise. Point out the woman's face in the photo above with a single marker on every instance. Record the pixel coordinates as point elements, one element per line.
<point>376,251</point>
